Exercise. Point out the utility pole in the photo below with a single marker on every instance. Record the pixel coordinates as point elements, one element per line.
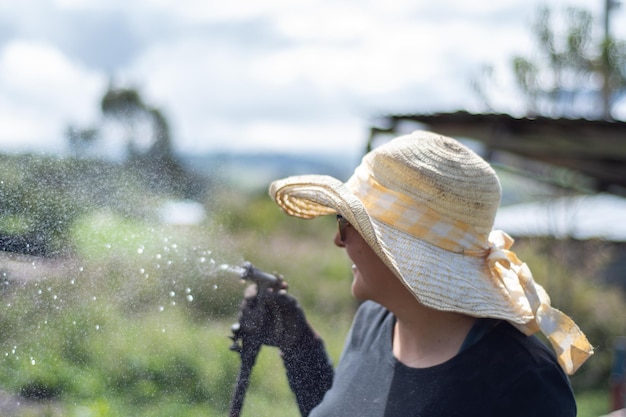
<point>609,5</point>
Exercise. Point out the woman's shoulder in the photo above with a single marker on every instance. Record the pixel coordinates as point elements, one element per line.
<point>522,372</point>
<point>524,359</point>
<point>370,321</point>
<point>370,312</point>
<point>519,347</point>
<point>370,307</point>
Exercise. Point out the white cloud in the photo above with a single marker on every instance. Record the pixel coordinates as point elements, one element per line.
<point>40,92</point>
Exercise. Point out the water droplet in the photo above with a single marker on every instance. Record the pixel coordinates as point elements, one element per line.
<point>32,361</point>
<point>140,249</point>
<point>108,246</point>
<point>202,259</point>
<point>215,286</point>
<point>190,298</point>
<point>187,290</point>
<point>97,327</point>
<point>172,293</point>
<point>161,308</point>
<point>158,256</point>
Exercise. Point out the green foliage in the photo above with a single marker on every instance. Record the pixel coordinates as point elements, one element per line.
<point>593,403</point>
<point>36,201</point>
<point>569,271</point>
<point>41,198</point>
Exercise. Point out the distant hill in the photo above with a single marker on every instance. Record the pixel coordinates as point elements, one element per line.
<point>257,170</point>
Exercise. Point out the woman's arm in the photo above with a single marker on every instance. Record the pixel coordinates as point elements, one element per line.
<point>277,319</point>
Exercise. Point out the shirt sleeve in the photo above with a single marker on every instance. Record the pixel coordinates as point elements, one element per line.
<point>309,373</point>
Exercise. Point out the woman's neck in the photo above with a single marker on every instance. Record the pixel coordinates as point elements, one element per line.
<point>425,337</point>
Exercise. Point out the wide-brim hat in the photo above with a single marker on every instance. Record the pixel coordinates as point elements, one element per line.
<point>425,204</point>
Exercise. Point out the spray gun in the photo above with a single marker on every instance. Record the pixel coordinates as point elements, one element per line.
<point>264,282</point>
<point>245,334</point>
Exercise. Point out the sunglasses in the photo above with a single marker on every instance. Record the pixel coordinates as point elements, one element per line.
<point>342,223</point>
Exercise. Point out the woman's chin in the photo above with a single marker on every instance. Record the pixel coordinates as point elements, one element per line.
<point>358,295</point>
<point>358,290</point>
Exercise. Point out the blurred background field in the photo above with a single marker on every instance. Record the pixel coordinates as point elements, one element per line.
<point>127,314</point>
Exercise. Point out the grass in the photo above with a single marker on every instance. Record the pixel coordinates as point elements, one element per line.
<point>593,403</point>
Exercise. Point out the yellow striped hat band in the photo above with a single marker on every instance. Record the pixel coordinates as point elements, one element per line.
<point>406,214</point>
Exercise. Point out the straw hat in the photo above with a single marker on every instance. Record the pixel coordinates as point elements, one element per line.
<point>426,205</point>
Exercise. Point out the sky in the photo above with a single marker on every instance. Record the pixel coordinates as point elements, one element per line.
<point>256,75</point>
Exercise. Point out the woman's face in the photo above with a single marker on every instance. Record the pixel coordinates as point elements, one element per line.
<point>372,279</point>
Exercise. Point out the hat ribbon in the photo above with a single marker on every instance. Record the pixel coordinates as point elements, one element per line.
<point>570,344</point>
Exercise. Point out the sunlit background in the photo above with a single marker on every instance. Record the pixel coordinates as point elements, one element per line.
<point>243,75</point>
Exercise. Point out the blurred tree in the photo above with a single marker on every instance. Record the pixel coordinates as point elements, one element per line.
<point>145,133</point>
<point>149,149</point>
<point>124,107</point>
<point>573,73</point>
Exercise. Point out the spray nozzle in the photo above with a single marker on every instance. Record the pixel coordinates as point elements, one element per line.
<point>260,278</point>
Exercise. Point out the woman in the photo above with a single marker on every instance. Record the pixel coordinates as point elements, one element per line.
<point>448,310</point>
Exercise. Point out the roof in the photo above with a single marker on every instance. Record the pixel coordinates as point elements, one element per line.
<point>595,149</point>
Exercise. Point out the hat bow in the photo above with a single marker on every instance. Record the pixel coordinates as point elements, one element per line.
<point>570,344</point>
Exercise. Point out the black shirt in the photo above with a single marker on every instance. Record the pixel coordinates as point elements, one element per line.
<point>503,373</point>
